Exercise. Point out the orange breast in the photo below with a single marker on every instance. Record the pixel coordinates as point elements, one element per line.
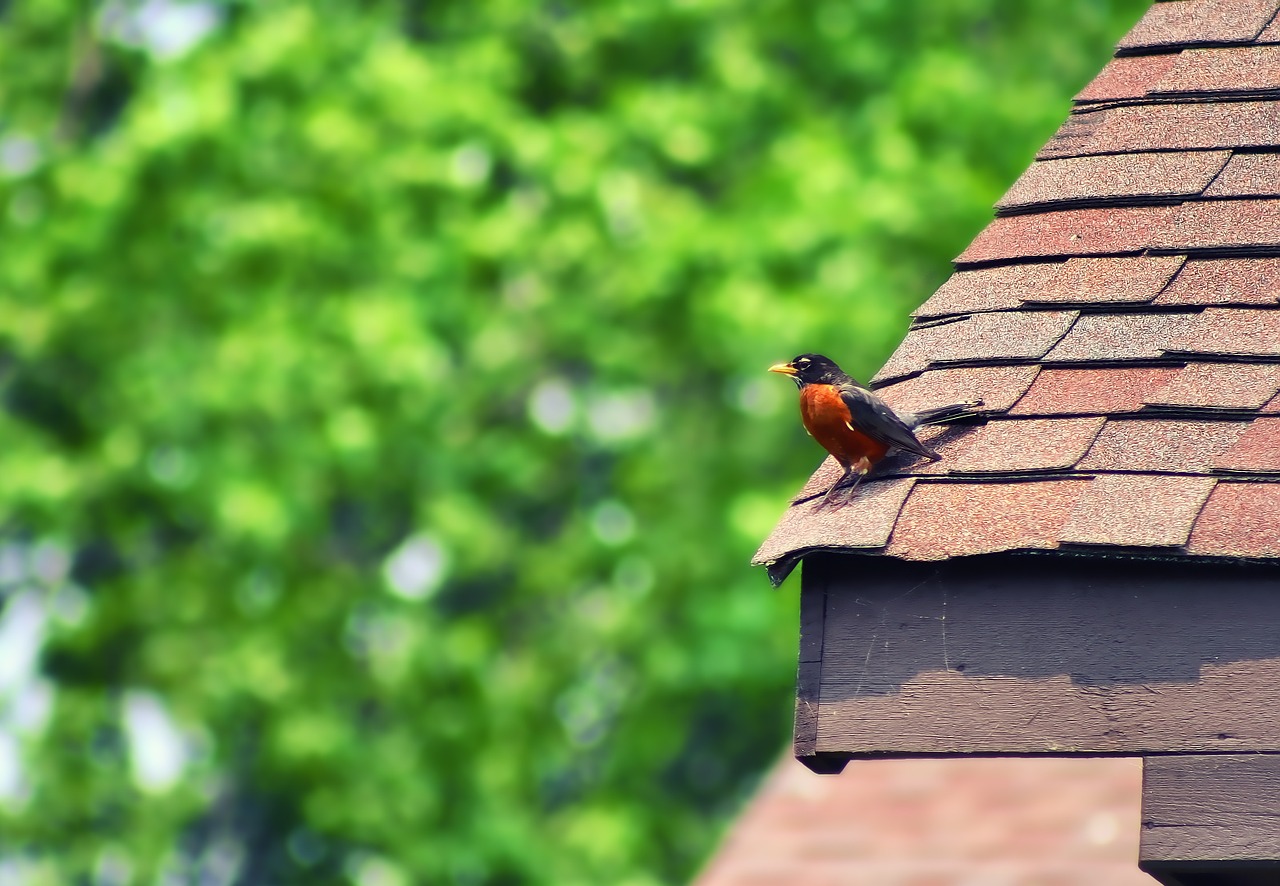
<point>826,418</point>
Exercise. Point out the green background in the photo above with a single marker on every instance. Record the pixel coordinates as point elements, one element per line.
<point>385,427</point>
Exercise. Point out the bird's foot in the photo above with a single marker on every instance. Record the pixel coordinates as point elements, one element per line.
<point>856,474</point>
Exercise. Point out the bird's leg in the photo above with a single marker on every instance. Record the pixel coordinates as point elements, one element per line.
<point>848,469</point>
<point>859,469</point>
<point>861,472</point>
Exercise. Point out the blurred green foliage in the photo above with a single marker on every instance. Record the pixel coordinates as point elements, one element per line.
<point>386,430</point>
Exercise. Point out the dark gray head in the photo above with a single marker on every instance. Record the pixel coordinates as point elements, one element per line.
<point>812,369</point>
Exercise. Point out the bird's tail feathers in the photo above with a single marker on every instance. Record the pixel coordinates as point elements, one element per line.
<point>939,414</point>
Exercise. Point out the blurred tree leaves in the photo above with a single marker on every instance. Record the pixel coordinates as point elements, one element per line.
<point>385,433</point>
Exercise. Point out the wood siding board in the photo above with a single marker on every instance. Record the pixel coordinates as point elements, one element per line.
<point>1105,657</point>
<point>813,603</point>
<point>1208,816</point>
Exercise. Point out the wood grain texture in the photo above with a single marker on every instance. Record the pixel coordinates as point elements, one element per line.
<point>1211,819</point>
<point>813,604</point>
<point>1047,655</point>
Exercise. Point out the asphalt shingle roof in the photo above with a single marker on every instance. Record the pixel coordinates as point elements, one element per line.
<point>957,822</point>
<point>1120,317</point>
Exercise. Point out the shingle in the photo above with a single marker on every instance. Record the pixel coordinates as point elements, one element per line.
<point>1137,510</point>
<point>819,481</point>
<point>1014,516</point>
<point>1257,451</point>
<point>1092,391</point>
<point>1236,21</point>
<point>1222,225</point>
<point>1240,69</point>
<point>999,387</point>
<point>1190,447</point>
<point>1224,281</point>
<point>1169,127</point>
<point>1242,332</point>
<point>1103,337</point>
<point>864,521</point>
<point>1272,407</point>
<point>1070,232</point>
<point>1017,447</point>
<point>1198,22</point>
<point>1114,178</point>
<point>1075,135</point>
<point>1220,385</point>
<point>1271,33</point>
<point>1111,280</point>
<point>1130,77</point>
<point>1231,20</point>
<point>989,337</point>
<point>939,822</point>
<point>1239,520</point>
<point>1165,24</point>
<point>1249,175</point>
<point>988,289</point>
<point>897,464</point>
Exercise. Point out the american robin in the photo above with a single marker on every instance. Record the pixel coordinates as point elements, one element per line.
<point>852,423</point>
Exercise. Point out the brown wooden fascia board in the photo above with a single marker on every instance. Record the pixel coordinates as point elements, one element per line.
<point>1211,819</point>
<point>1025,655</point>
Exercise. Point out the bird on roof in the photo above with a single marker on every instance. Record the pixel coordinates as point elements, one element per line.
<point>852,423</point>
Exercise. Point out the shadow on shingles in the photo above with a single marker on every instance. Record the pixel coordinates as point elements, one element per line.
<point>899,462</point>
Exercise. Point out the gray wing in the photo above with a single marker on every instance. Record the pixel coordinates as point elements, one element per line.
<point>873,417</point>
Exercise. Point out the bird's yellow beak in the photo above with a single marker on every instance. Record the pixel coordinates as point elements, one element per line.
<point>783,368</point>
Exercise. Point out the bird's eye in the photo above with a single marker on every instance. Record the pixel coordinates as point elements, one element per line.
<point>803,361</point>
